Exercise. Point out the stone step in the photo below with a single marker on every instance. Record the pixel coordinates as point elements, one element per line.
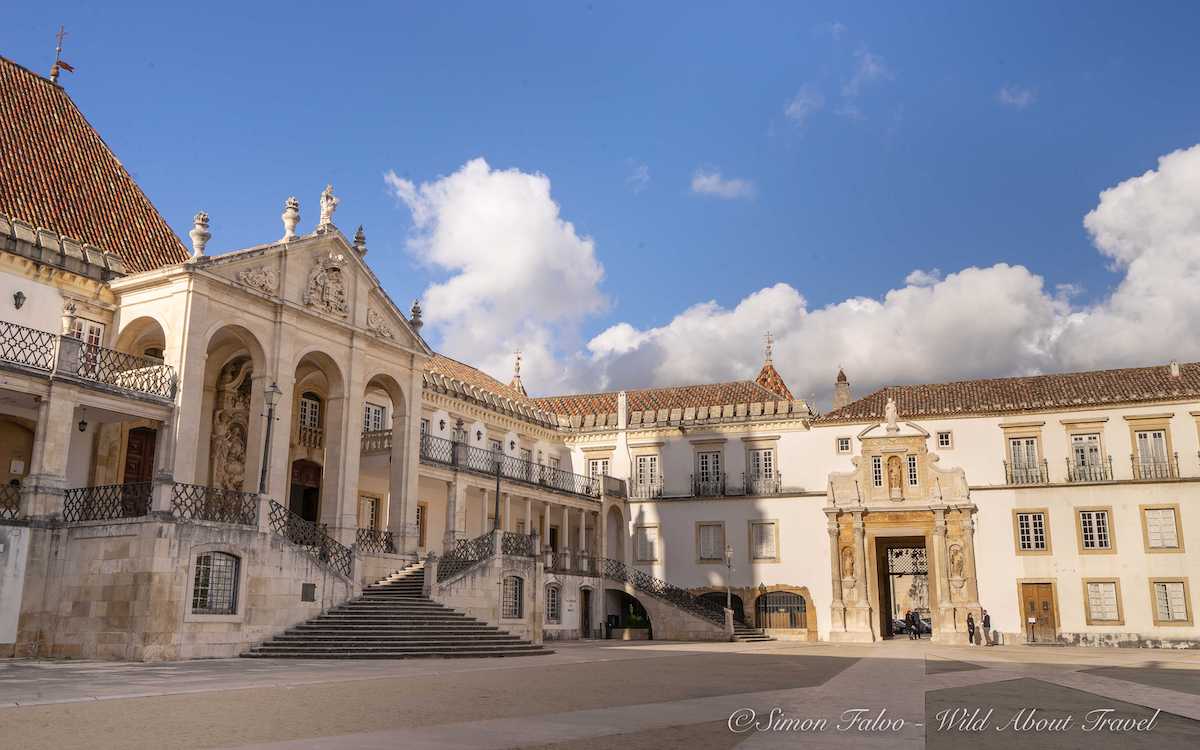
<point>306,641</point>
<point>376,648</point>
<point>392,654</point>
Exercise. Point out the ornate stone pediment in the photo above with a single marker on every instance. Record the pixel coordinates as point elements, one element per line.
<point>326,288</point>
<point>896,467</point>
<point>263,279</point>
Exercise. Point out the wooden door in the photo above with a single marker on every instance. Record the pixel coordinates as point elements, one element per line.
<point>585,613</point>
<point>1037,607</point>
<point>139,455</point>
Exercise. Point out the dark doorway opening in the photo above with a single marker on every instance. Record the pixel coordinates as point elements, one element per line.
<point>781,610</point>
<point>585,613</point>
<point>903,568</point>
<point>305,497</point>
<point>139,455</point>
<point>718,598</point>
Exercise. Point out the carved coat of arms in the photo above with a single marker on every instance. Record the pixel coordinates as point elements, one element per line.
<point>326,288</point>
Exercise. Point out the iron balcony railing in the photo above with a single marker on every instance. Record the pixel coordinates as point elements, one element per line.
<point>709,485</point>
<point>646,490</point>
<point>1099,470</point>
<point>28,346</point>
<point>1033,473</point>
<point>314,539</point>
<point>521,545</point>
<point>772,485</point>
<point>107,502</point>
<point>311,437</point>
<point>465,457</point>
<point>1155,467</point>
<point>376,441</point>
<point>375,541</point>
<point>10,501</point>
<point>49,352</point>
<point>466,554</point>
<point>199,503</point>
<point>658,588</point>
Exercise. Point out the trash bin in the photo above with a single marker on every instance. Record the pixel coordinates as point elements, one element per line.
<point>614,621</point>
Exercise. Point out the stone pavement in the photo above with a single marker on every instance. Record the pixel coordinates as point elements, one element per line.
<point>602,695</point>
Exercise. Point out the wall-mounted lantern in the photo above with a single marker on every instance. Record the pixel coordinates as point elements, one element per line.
<point>82,421</point>
<point>18,299</point>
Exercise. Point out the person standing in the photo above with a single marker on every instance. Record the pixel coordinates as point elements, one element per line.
<point>986,621</point>
<point>914,625</point>
<point>971,628</point>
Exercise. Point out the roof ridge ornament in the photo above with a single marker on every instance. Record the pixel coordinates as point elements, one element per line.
<point>415,321</point>
<point>290,217</point>
<point>360,242</point>
<point>199,234</point>
<point>329,204</point>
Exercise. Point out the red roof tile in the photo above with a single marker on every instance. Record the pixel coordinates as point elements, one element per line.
<point>56,172</point>
<point>769,378</point>
<point>677,397</point>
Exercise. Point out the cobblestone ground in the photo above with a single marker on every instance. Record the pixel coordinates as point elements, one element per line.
<point>627,696</point>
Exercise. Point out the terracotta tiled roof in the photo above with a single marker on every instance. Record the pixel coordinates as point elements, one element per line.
<point>769,378</point>
<point>452,368</point>
<point>677,397</point>
<point>56,172</point>
<point>1026,394</point>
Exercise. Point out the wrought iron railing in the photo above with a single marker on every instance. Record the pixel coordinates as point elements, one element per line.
<point>1155,467</point>
<point>27,346</point>
<point>1099,470</point>
<point>708,485</point>
<point>375,541</point>
<point>377,441</point>
<point>660,589</point>
<point>771,485</point>
<point>1029,473</point>
<point>586,565</point>
<point>643,490</point>
<point>107,502</point>
<point>557,562</point>
<point>487,462</point>
<point>311,437</point>
<point>466,553</point>
<point>313,538</point>
<point>200,503</point>
<point>10,501</point>
<point>128,371</point>
<point>512,543</point>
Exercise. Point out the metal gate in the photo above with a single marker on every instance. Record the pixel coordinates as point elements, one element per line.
<point>781,610</point>
<point>908,579</point>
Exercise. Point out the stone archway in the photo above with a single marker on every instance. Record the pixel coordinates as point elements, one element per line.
<point>615,534</point>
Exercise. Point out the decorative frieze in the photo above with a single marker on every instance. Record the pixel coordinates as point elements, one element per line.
<point>262,278</point>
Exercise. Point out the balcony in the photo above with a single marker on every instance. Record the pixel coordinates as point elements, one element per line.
<point>646,490</point>
<point>1098,470</point>
<point>708,485</point>
<point>1155,467</point>
<point>376,441</point>
<point>719,485</point>
<point>311,437</point>
<point>463,457</point>
<point>50,353</point>
<point>1035,473</point>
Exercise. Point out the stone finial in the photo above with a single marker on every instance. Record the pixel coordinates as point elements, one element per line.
<point>329,204</point>
<point>360,241</point>
<point>68,321</point>
<point>415,320</point>
<point>291,217</point>
<point>199,234</point>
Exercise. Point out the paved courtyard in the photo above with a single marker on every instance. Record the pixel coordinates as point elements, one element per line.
<point>618,695</point>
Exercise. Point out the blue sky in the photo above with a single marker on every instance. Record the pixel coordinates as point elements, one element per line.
<point>920,136</point>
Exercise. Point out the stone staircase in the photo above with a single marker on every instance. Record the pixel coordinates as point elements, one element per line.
<point>746,634</point>
<point>393,619</point>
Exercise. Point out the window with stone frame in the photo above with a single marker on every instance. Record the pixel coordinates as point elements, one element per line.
<point>647,543</point>
<point>762,463</point>
<point>843,445</point>
<point>597,467</point>
<point>310,411</point>
<point>553,604</point>
<point>913,476</point>
<point>1162,528</point>
<point>711,538</point>
<point>1031,531</point>
<point>945,439</point>
<point>374,417</point>
<point>1170,601</point>
<point>513,596</point>
<point>215,585</point>
<point>1102,601</point>
<point>368,512</point>
<point>877,471</point>
<point>763,540</point>
<point>1094,529</point>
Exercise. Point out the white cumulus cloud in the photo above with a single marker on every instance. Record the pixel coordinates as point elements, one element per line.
<point>1016,97</point>
<point>807,102</point>
<point>710,182</point>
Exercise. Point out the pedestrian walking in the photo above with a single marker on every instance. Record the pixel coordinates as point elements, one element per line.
<point>971,628</point>
<point>914,625</point>
<point>986,621</point>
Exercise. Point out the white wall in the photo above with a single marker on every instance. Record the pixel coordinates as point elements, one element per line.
<point>43,307</point>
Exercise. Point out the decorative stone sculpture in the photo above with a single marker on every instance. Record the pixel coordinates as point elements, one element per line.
<point>360,242</point>
<point>291,217</point>
<point>957,562</point>
<point>199,234</point>
<point>415,321</point>
<point>329,204</point>
<point>847,562</point>
<point>230,420</point>
<point>326,288</point>
<point>262,278</point>
<point>894,475</point>
<point>889,415</point>
<point>377,324</point>
<point>68,321</point>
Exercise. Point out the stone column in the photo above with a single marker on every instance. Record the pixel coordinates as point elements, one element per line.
<point>945,624</point>
<point>529,529</point>
<point>256,425</point>
<point>837,607</point>
<point>858,607</point>
<point>406,538</point>
<point>581,540</point>
<point>506,525</point>
<point>279,469</point>
<point>46,484</point>
<point>546,522</point>
<point>164,484</point>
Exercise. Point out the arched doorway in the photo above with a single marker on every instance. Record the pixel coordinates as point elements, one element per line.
<point>718,598</point>
<point>585,612</point>
<point>616,534</point>
<point>625,612</point>
<point>305,500</point>
<point>781,610</point>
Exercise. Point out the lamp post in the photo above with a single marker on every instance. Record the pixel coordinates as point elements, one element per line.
<point>270,397</point>
<point>728,575</point>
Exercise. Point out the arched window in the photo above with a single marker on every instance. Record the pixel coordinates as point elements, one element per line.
<point>214,589</point>
<point>553,604</point>
<point>513,606</point>
<point>780,610</point>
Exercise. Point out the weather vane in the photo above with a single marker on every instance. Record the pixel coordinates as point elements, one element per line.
<point>59,63</point>
<point>770,348</point>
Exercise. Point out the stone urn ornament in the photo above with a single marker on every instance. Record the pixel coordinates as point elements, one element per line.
<point>290,217</point>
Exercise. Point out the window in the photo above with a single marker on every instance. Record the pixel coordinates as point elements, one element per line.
<point>913,479</point>
<point>843,445</point>
<point>711,538</point>
<point>1102,602</point>
<point>763,541</point>
<point>496,446</point>
<point>310,411</point>
<point>1094,530</point>
<point>374,417</point>
<point>1170,601</point>
<point>708,466</point>
<point>647,470</point>
<point>424,426</point>
<point>513,605</point>
<point>877,471</point>
<point>368,512</point>
<point>214,589</point>
<point>1085,450</point>
<point>553,604</point>
<point>762,463</point>
<point>88,331</point>
<point>647,543</point>
<point>555,462</point>
<point>945,439</point>
<point>1162,528</point>
<point>1152,460</point>
<point>598,467</point>
<point>527,455</point>
<point>1031,532</point>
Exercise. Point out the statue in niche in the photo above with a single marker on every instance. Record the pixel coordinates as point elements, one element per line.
<point>231,415</point>
<point>894,474</point>
<point>847,562</point>
<point>957,561</point>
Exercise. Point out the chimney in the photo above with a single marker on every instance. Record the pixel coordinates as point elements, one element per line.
<point>841,391</point>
